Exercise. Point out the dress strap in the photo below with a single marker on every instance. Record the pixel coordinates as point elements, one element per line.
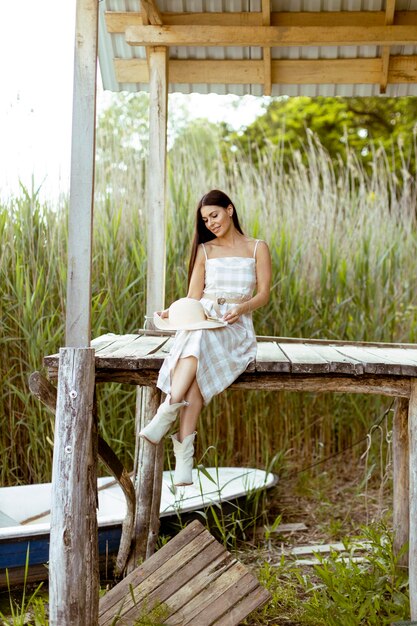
<point>205,251</point>
<point>256,245</point>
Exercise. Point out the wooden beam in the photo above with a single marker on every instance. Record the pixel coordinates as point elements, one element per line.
<point>385,55</point>
<point>80,220</point>
<point>117,21</point>
<point>270,36</point>
<point>403,69</point>
<point>151,11</point>
<point>266,21</point>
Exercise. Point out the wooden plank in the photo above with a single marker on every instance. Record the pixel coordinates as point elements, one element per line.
<point>266,21</point>
<point>373,361</point>
<point>224,602</point>
<point>115,596</point>
<point>412,438</point>
<point>402,69</point>
<point>270,36</point>
<point>254,600</point>
<point>338,362</point>
<point>212,555</point>
<point>73,557</point>
<point>303,360</point>
<point>118,21</point>
<point>138,347</point>
<point>400,462</point>
<point>80,218</point>
<point>217,581</point>
<point>270,358</point>
<point>404,359</point>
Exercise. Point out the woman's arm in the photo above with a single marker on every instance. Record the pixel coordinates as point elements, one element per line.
<point>263,285</point>
<point>196,286</point>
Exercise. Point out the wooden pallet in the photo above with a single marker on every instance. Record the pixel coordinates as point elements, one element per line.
<point>190,580</point>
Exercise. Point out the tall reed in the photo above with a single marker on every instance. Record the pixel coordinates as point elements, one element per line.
<point>343,245</point>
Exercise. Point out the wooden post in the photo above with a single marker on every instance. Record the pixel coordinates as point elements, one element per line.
<point>412,432</point>
<point>401,476</point>
<point>148,481</point>
<point>73,567</point>
<point>156,218</point>
<point>150,464</point>
<point>80,221</point>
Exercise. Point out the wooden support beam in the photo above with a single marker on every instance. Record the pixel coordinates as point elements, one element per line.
<point>403,69</point>
<point>148,459</point>
<point>80,220</point>
<point>266,21</point>
<point>401,477</point>
<point>73,557</point>
<point>270,36</point>
<point>151,11</point>
<point>118,21</point>
<point>385,55</point>
<point>412,439</point>
<point>156,217</point>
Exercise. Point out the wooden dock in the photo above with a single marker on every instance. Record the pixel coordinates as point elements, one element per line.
<point>297,365</point>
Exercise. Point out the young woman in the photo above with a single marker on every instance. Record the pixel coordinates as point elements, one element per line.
<point>225,268</point>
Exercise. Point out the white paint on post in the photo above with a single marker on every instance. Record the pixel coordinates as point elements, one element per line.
<point>80,221</point>
<point>156,224</point>
<point>412,438</point>
<point>73,556</point>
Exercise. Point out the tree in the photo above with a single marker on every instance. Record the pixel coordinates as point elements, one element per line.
<point>362,125</point>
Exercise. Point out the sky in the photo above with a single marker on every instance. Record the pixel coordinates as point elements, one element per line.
<point>37,49</point>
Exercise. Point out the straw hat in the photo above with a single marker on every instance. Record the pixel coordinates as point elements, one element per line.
<point>187,314</point>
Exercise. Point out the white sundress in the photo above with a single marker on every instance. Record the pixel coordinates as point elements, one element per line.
<point>222,353</point>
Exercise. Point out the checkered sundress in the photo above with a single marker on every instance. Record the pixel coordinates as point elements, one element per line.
<point>222,353</point>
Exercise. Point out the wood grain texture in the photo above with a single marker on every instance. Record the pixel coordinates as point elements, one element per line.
<point>400,461</point>
<point>118,21</point>
<point>156,179</point>
<point>148,494</point>
<point>73,565</point>
<point>194,577</point>
<point>80,218</point>
<point>412,439</point>
<point>270,36</point>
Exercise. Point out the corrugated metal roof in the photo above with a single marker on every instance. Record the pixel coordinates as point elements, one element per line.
<point>114,45</point>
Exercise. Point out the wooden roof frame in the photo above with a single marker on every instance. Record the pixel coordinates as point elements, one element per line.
<point>270,29</point>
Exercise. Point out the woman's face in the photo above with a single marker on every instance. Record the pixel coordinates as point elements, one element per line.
<point>217,219</point>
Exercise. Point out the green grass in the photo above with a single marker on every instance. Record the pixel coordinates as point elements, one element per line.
<point>343,246</point>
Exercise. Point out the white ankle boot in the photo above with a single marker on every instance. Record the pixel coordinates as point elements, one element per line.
<point>184,458</point>
<point>162,421</point>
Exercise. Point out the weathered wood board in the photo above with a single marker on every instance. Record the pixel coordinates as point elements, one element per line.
<point>190,580</point>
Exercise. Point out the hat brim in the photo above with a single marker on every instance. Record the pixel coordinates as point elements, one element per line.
<point>163,324</point>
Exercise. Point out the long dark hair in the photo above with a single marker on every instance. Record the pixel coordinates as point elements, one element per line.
<point>215,197</point>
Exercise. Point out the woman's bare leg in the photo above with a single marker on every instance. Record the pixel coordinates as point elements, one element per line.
<point>189,414</point>
<point>182,378</point>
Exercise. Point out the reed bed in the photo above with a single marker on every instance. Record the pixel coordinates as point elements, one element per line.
<point>343,243</point>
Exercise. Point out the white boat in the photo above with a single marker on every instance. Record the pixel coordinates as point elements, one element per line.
<point>25,514</point>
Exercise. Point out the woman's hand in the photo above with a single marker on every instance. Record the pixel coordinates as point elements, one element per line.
<point>163,314</point>
<point>233,315</point>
